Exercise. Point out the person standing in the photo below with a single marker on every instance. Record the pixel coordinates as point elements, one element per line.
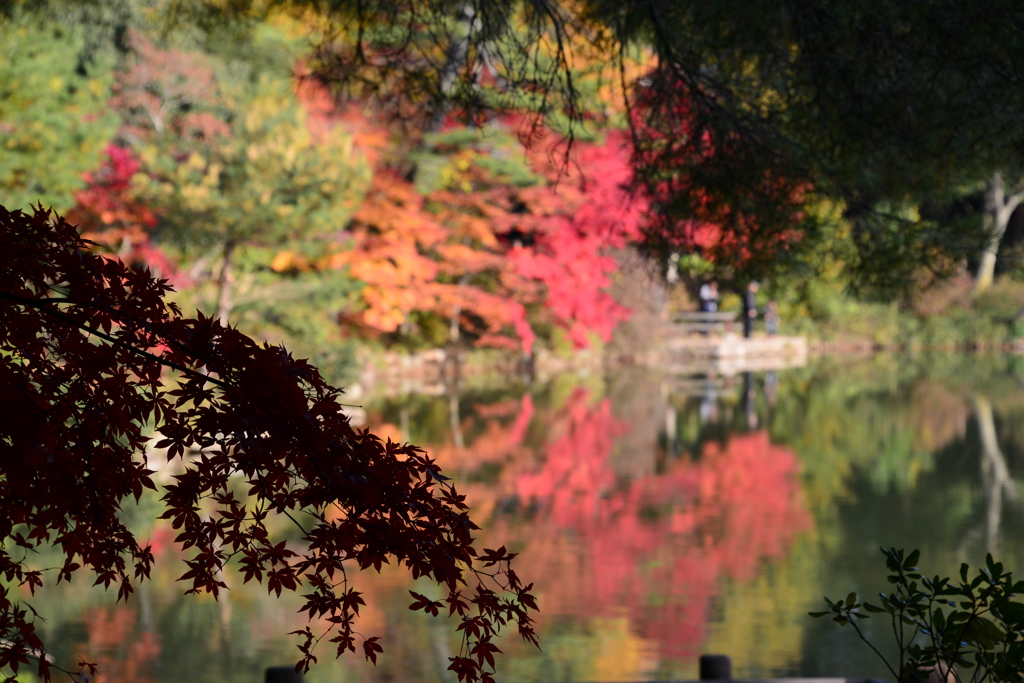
<point>705,297</point>
<point>749,308</point>
<point>771,318</point>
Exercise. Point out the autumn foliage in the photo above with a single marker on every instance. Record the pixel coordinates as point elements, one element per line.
<point>410,260</point>
<point>652,546</point>
<point>108,213</point>
<point>575,225</point>
<point>508,244</point>
<point>609,533</point>
<point>493,258</point>
<point>87,343</point>
<point>683,530</point>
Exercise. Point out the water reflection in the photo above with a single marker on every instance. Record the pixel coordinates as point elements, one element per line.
<point>660,517</point>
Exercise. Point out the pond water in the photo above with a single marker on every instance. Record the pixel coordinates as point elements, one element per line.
<point>660,518</point>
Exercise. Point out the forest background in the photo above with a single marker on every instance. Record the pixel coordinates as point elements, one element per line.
<point>209,153</point>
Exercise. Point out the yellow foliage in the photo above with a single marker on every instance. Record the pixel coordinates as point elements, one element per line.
<point>757,625</point>
<point>268,182</point>
<point>288,261</point>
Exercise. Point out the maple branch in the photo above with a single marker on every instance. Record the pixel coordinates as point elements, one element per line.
<point>73,675</point>
<point>41,305</point>
<point>275,503</point>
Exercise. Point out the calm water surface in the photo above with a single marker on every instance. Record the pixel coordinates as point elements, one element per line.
<point>660,517</point>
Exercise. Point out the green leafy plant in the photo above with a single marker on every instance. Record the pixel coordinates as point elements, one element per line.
<point>969,630</point>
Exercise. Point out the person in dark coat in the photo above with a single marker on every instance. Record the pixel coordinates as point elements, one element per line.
<point>749,308</point>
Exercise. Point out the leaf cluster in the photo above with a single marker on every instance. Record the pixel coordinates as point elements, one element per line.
<point>966,630</point>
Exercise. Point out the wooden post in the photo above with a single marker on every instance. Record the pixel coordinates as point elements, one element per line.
<point>713,668</point>
<point>282,674</point>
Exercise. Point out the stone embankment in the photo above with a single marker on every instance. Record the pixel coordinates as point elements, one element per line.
<point>730,354</point>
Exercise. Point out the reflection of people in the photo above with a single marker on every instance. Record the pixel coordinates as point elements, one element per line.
<point>749,308</point>
<point>708,410</point>
<point>771,386</point>
<point>771,318</point>
<point>749,400</point>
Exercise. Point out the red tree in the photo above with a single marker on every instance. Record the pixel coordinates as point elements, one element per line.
<point>574,225</point>
<point>106,212</point>
<point>85,344</point>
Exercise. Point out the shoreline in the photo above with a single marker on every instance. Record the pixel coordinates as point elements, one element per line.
<point>437,371</point>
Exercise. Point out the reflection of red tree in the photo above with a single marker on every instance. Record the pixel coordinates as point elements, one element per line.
<point>656,546</point>
<point>498,440</point>
<point>576,474</point>
<point>115,648</point>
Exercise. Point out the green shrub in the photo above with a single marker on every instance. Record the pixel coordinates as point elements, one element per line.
<point>969,630</point>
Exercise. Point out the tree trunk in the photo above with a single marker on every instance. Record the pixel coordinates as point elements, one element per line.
<point>454,59</point>
<point>995,473</point>
<point>999,206</point>
<point>456,420</point>
<point>453,326</point>
<point>224,281</point>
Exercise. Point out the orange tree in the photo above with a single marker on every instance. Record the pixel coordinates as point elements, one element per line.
<point>84,346</point>
<point>416,265</point>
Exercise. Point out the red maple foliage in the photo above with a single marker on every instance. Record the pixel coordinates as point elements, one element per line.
<point>106,212</point>
<point>573,226</point>
<point>86,342</point>
<point>489,257</point>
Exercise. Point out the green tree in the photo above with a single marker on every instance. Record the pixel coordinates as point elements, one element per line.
<point>54,121</point>
<point>894,109</point>
<point>242,170</point>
